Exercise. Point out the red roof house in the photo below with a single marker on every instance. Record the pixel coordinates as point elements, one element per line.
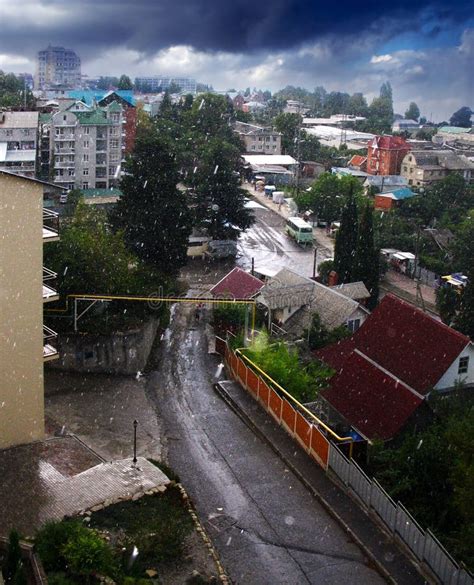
<point>358,162</point>
<point>385,155</point>
<point>391,364</point>
<point>237,284</point>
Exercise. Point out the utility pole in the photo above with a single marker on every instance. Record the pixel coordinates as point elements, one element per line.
<point>315,262</point>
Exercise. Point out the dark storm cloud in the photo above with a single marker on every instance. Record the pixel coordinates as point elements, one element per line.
<point>215,25</point>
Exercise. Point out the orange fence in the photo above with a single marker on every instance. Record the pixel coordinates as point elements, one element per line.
<point>310,438</point>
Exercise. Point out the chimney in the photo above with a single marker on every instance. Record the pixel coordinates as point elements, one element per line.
<point>333,278</point>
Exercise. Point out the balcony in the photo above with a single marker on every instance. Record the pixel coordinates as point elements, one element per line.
<point>70,164</point>
<point>49,342</point>
<point>50,226</point>
<point>63,137</point>
<point>64,178</point>
<point>49,278</point>
<point>68,150</point>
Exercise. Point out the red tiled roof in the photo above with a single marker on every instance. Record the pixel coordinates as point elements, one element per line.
<point>409,343</point>
<point>375,403</point>
<point>386,142</point>
<point>357,160</point>
<point>238,284</point>
<point>335,355</point>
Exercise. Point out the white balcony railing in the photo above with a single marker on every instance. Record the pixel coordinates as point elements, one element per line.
<point>49,344</point>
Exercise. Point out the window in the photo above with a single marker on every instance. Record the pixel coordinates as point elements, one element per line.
<point>9,132</point>
<point>112,171</point>
<point>85,185</point>
<point>85,172</point>
<point>65,117</point>
<point>71,172</point>
<point>353,325</point>
<point>85,158</point>
<point>114,144</point>
<point>87,130</point>
<point>463,365</point>
<point>86,144</point>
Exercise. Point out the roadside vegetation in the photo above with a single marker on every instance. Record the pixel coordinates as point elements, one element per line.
<point>286,366</point>
<point>432,473</point>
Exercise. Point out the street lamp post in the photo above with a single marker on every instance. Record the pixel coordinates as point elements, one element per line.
<point>135,425</point>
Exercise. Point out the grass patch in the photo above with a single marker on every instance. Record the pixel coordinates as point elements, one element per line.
<point>156,525</point>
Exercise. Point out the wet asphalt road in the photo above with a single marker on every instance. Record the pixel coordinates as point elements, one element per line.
<point>266,526</point>
<point>268,244</point>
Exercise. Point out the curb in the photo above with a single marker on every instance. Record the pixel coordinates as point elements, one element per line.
<point>316,494</point>
<point>223,577</point>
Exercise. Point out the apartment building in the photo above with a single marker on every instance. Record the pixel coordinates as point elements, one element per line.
<point>83,146</point>
<point>19,142</point>
<point>258,139</point>
<point>425,167</point>
<point>157,83</point>
<point>25,344</point>
<point>57,66</point>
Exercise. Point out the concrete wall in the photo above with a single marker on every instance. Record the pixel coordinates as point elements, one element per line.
<point>120,353</point>
<point>21,311</point>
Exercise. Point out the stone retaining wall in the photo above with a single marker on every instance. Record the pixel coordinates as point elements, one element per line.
<point>121,353</point>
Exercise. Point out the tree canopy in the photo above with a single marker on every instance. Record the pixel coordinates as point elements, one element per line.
<point>413,112</point>
<point>152,212</point>
<point>461,117</point>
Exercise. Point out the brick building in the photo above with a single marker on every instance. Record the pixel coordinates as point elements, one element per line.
<point>385,155</point>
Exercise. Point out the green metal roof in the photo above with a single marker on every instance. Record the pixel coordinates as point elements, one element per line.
<point>454,130</point>
<point>115,107</point>
<point>95,118</point>
<point>45,118</point>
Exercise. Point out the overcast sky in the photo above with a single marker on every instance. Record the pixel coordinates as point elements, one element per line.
<point>425,49</point>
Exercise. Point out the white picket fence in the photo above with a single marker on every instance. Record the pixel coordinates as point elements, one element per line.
<point>424,545</point>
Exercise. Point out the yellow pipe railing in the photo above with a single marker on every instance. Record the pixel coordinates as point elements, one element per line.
<point>318,421</point>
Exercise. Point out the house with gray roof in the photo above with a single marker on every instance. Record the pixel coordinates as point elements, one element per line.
<point>425,167</point>
<point>292,300</point>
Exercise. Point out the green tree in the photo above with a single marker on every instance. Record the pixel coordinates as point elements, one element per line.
<point>288,125</point>
<point>319,335</point>
<point>357,105</point>
<point>324,270</point>
<point>447,301</point>
<point>464,320</point>
<point>461,118</point>
<point>152,212</point>
<point>413,112</point>
<point>219,201</point>
<point>366,265</point>
<point>346,241</point>
<point>327,196</point>
<point>125,82</point>
<point>174,88</point>
<point>14,93</point>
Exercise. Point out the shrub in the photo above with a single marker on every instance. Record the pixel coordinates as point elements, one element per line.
<point>13,560</point>
<point>283,365</point>
<point>86,554</point>
<point>50,540</point>
<point>59,579</point>
<point>68,546</point>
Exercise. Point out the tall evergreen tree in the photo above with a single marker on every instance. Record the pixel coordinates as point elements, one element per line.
<point>152,212</point>
<point>219,200</point>
<point>366,265</point>
<point>346,240</point>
